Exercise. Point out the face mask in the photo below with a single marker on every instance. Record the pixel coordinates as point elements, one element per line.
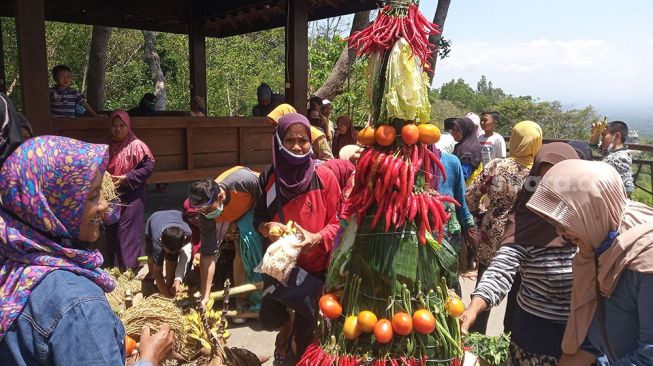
<point>214,214</point>
<point>292,154</point>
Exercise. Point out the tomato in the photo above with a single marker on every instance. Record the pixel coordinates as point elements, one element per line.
<point>350,329</point>
<point>428,133</point>
<point>410,134</point>
<point>385,135</point>
<point>383,331</point>
<point>455,307</point>
<point>366,136</point>
<point>423,321</point>
<point>366,321</point>
<point>402,323</point>
<point>330,307</point>
<point>130,345</point>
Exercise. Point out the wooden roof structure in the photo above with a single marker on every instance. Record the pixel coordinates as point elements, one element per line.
<point>219,18</point>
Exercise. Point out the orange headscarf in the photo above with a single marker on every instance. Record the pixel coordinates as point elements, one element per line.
<point>588,200</point>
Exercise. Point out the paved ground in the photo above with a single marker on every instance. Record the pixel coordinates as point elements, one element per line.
<point>249,335</point>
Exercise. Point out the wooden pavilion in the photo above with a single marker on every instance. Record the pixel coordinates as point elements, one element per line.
<point>185,148</point>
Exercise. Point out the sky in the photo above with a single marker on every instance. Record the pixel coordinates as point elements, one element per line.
<point>579,52</point>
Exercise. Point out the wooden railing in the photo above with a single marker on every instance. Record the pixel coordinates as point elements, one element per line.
<point>187,148</point>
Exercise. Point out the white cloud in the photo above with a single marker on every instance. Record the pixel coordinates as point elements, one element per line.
<point>586,71</point>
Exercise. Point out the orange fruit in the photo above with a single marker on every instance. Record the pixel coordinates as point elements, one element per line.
<point>366,136</point>
<point>455,307</point>
<point>350,329</point>
<point>385,135</point>
<point>410,134</point>
<point>383,331</point>
<point>366,321</point>
<point>428,133</point>
<point>402,323</point>
<point>130,345</point>
<point>330,307</point>
<point>423,321</point>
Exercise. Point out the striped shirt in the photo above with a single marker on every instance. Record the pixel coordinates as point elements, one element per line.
<point>63,102</point>
<point>546,279</point>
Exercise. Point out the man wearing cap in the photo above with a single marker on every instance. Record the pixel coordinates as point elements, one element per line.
<point>229,198</point>
<point>327,108</point>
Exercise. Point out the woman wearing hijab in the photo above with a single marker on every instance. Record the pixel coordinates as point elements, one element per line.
<point>265,101</point>
<point>500,182</point>
<point>130,163</point>
<point>54,310</point>
<point>319,142</point>
<point>530,247</point>
<point>296,188</point>
<point>612,292</point>
<point>583,149</point>
<point>467,149</point>
<point>345,134</point>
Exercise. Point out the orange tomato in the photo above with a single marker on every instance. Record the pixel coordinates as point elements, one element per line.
<point>366,321</point>
<point>330,307</point>
<point>410,134</point>
<point>383,331</point>
<point>455,307</point>
<point>402,323</point>
<point>428,133</point>
<point>366,136</point>
<point>130,345</point>
<point>350,329</point>
<point>424,321</point>
<point>385,135</point>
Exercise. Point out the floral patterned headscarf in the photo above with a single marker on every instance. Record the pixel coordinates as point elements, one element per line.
<point>43,188</point>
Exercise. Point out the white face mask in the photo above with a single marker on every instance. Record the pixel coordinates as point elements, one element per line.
<point>298,156</point>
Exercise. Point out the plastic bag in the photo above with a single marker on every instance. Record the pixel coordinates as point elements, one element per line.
<point>280,258</point>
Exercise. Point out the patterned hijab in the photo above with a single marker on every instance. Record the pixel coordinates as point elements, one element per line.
<point>43,188</point>
<point>525,142</point>
<point>125,155</point>
<point>588,200</point>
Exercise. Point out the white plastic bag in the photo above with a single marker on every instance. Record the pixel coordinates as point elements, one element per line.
<point>280,258</point>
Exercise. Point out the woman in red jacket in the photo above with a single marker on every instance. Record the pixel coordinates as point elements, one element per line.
<point>296,188</point>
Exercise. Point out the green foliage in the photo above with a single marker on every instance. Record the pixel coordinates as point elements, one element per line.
<point>556,121</point>
<point>494,350</point>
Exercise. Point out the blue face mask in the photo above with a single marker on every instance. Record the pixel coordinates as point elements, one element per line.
<point>214,214</point>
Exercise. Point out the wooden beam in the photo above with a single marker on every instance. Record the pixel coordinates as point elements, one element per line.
<point>33,64</point>
<point>297,54</point>
<point>197,52</point>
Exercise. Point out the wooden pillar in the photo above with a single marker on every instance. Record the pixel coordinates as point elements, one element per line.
<point>197,53</point>
<point>33,63</point>
<point>297,54</point>
<point>3,76</point>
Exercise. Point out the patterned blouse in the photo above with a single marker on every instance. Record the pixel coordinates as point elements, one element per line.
<point>500,182</point>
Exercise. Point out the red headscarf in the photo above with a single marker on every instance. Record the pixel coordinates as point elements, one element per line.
<point>125,155</point>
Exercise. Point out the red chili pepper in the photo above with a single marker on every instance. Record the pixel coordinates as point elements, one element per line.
<point>449,199</point>
<point>437,162</point>
<point>427,167</point>
<point>403,182</point>
<point>390,210</point>
<point>379,212</point>
<point>424,212</point>
<point>413,208</point>
<point>375,168</point>
<point>411,180</point>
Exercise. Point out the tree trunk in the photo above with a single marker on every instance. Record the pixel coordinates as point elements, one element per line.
<point>334,84</point>
<point>439,18</point>
<point>154,62</point>
<point>97,65</point>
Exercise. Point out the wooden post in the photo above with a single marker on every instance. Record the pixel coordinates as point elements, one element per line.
<point>197,53</point>
<point>297,54</point>
<point>3,77</point>
<point>33,63</point>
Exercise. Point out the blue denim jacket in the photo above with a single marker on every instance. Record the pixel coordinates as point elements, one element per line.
<point>66,321</point>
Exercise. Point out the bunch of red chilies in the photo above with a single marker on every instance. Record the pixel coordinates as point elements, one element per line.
<point>316,356</point>
<point>393,23</point>
<point>388,179</point>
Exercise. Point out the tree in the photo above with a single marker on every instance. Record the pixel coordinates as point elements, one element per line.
<point>154,63</point>
<point>97,64</point>
<point>335,83</point>
<point>459,92</point>
<point>439,18</point>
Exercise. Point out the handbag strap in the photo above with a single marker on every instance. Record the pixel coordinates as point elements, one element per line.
<point>601,311</point>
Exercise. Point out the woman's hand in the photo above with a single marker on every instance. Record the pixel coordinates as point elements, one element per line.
<point>308,238</point>
<point>175,289</point>
<point>471,313</point>
<point>158,347</point>
<point>119,180</point>
<point>273,230</point>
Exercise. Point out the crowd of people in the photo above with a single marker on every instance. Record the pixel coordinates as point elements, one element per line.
<point>544,226</point>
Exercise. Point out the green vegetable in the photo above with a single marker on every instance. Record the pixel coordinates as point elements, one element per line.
<point>494,350</point>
